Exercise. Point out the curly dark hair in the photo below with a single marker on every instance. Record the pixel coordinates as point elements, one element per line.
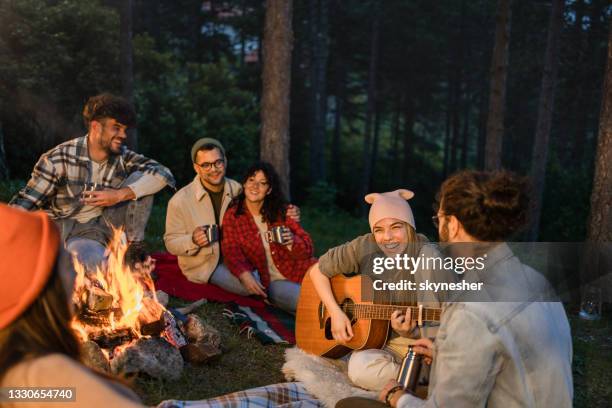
<point>491,206</point>
<point>109,106</point>
<point>275,204</point>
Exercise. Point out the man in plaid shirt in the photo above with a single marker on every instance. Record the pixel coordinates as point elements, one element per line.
<point>93,182</point>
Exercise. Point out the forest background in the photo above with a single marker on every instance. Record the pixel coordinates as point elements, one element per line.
<point>383,95</point>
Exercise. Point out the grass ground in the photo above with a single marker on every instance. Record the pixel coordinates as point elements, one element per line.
<point>246,363</point>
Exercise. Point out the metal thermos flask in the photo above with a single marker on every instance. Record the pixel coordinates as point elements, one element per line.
<point>409,372</point>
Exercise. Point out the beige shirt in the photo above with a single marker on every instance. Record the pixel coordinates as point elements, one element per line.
<point>189,208</point>
<point>272,269</point>
<point>57,370</point>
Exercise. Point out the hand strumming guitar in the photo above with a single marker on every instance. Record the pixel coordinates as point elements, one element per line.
<point>341,326</point>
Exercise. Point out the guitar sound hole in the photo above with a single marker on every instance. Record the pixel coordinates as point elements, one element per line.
<point>328,332</point>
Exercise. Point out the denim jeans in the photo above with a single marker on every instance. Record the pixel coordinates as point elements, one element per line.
<point>88,240</point>
<point>283,294</point>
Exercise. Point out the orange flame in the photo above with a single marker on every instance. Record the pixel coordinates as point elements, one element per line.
<point>133,293</point>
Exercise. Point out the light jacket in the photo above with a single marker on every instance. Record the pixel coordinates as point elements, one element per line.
<point>502,354</point>
<point>57,370</point>
<point>189,208</point>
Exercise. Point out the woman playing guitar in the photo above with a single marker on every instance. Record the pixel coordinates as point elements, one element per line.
<point>393,233</point>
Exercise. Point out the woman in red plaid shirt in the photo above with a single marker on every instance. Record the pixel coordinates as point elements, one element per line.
<point>250,248</point>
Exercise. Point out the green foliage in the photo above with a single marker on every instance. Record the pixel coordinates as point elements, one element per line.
<point>567,197</point>
<point>8,188</point>
<point>53,55</point>
<point>178,104</point>
<point>322,196</point>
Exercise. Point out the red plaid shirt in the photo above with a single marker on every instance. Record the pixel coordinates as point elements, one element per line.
<point>243,250</point>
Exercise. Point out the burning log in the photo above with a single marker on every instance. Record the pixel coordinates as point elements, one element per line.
<point>153,328</point>
<point>172,333</point>
<point>98,299</point>
<point>153,356</point>
<point>110,340</point>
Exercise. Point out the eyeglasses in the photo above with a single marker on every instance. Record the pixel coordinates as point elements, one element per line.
<point>436,220</point>
<point>253,183</point>
<point>207,166</point>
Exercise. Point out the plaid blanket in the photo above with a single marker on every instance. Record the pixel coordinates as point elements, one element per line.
<point>266,323</point>
<point>283,395</point>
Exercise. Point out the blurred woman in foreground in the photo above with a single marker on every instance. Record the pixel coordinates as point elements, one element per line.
<point>37,346</point>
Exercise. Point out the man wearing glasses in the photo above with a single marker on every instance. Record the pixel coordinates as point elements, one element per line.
<point>198,208</point>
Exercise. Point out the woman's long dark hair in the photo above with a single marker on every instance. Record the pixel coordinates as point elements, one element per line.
<point>275,204</point>
<point>44,328</point>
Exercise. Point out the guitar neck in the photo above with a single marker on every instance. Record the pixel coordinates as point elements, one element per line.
<point>383,312</point>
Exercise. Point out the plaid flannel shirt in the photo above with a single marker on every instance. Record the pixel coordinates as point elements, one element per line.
<point>243,248</point>
<point>60,175</point>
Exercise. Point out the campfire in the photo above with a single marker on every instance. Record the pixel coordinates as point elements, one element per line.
<point>123,327</point>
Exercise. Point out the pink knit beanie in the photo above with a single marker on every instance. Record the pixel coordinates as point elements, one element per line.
<point>391,204</point>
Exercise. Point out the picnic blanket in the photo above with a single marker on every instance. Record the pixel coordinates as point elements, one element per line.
<point>268,324</point>
<point>283,395</point>
<point>171,280</point>
<point>257,319</point>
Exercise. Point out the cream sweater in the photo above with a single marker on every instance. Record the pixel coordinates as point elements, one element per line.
<point>57,370</point>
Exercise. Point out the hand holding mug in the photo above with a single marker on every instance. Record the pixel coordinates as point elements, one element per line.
<point>199,237</point>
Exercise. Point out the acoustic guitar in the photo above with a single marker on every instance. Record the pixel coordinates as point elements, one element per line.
<point>370,322</point>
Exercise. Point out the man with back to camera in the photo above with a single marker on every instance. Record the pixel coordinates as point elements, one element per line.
<point>92,183</point>
<point>491,352</point>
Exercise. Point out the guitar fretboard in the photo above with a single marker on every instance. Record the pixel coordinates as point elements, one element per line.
<point>383,312</point>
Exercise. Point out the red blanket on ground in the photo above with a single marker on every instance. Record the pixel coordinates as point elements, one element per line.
<point>171,280</point>
<point>280,325</point>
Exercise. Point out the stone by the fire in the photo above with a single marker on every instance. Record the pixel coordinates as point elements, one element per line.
<point>98,299</point>
<point>199,332</point>
<point>199,353</point>
<point>153,356</point>
<point>204,340</point>
<point>94,357</point>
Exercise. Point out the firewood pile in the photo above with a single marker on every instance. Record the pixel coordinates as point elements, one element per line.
<point>124,329</point>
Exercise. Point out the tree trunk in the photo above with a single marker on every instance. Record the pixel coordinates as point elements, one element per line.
<point>374,156</point>
<point>545,114</point>
<point>371,104</point>
<point>4,169</point>
<point>336,142</point>
<point>497,95</point>
<point>447,135</point>
<point>600,218</point>
<point>584,100</point>
<point>408,144</point>
<point>395,134</point>
<point>276,79</point>
<point>465,133</point>
<point>127,62</point>
<point>318,80</point>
